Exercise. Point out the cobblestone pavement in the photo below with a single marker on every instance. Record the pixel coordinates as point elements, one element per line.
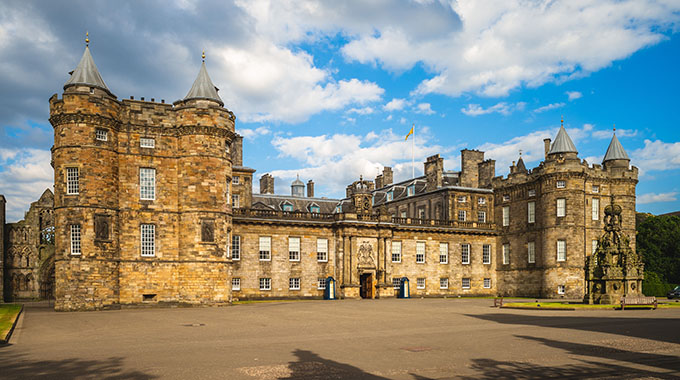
<point>345,339</point>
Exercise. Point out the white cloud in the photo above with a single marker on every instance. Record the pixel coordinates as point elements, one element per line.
<point>657,155</point>
<point>395,104</point>
<point>25,176</point>
<point>501,108</point>
<point>361,111</point>
<point>549,107</point>
<point>607,134</point>
<point>252,134</point>
<point>573,95</point>
<point>424,108</point>
<point>656,198</point>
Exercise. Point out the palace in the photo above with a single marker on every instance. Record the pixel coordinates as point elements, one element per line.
<point>153,205</point>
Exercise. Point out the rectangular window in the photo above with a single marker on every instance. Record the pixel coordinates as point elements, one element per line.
<point>561,207</point>
<point>294,249</point>
<point>531,212</point>
<point>506,216</point>
<point>420,283</point>
<point>596,208</point>
<point>287,207</point>
<point>465,283</point>
<point>396,251</point>
<point>420,252</point>
<point>486,254</point>
<point>145,142</point>
<point>532,192</point>
<point>481,216</point>
<point>596,189</point>
<point>561,289</point>
<point>294,283</point>
<point>465,253</point>
<point>148,239</point>
<point>461,215</point>
<point>235,180</point>
<point>506,198</point>
<point>531,252</point>
<point>147,183</point>
<point>443,283</point>
<point>322,250</point>
<point>462,199</point>
<point>265,248</point>
<point>594,245</point>
<point>403,214</point>
<point>561,250</point>
<point>72,181</point>
<point>236,283</point>
<point>314,209</point>
<point>75,239</point>
<point>396,283</point>
<point>265,284</point>
<point>236,247</point>
<point>321,283</point>
<point>443,253</point>
<point>506,254</point>
<point>487,283</point>
<point>235,201</point>
<point>411,190</point>
<point>481,201</point>
<point>561,184</point>
<point>390,195</point>
<point>421,213</point>
<point>101,134</point>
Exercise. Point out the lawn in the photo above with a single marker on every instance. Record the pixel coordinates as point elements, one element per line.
<point>8,313</point>
<point>579,306</point>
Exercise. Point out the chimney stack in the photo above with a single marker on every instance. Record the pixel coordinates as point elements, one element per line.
<point>546,146</point>
<point>267,184</point>
<point>237,151</point>
<point>310,189</point>
<point>387,176</point>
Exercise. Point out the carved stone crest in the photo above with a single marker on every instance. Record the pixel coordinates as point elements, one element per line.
<point>365,255</point>
<point>102,226</point>
<point>208,231</point>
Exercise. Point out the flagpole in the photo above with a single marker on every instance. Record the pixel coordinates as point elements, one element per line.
<point>413,154</point>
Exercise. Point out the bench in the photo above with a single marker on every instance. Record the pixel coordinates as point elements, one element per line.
<point>635,300</point>
<point>498,302</point>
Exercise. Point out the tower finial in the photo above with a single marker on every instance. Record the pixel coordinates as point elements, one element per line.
<point>203,55</point>
<point>562,121</point>
<point>520,152</point>
<point>87,38</point>
<point>614,127</point>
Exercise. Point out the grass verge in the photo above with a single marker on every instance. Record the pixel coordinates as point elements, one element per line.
<point>8,314</point>
<point>579,306</point>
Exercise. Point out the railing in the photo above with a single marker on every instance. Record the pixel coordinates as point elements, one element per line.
<point>276,214</point>
<point>442,223</point>
<point>368,218</point>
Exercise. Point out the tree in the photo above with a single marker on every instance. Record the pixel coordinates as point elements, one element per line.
<point>658,241</point>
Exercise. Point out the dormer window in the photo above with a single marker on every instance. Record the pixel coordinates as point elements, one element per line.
<point>411,190</point>
<point>390,195</point>
<point>338,209</point>
<point>287,207</point>
<point>314,209</point>
<point>101,134</point>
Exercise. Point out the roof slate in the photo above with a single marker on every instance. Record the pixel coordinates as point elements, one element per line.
<point>203,87</point>
<point>615,151</point>
<point>86,73</point>
<point>563,143</point>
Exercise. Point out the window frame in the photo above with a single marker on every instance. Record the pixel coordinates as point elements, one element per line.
<point>147,247</point>
<point>236,180</point>
<point>394,244</point>
<point>420,256</point>
<point>396,283</point>
<point>481,216</point>
<point>505,216</point>
<point>235,201</point>
<point>236,284</point>
<point>321,283</point>
<point>561,254</point>
<point>265,283</point>
<point>531,212</point>
<point>465,253</point>
<point>443,283</point>
<point>443,253</point>
<point>72,180</point>
<point>481,201</point>
<point>561,289</point>
<point>144,142</point>
<point>147,184</point>
<point>410,190</point>
<point>487,283</point>
<point>595,208</point>
<point>292,254</point>
<point>561,184</point>
<point>236,247</point>
<point>265,255</point>
<point>321,255</point>
<point>294,283</point>
<point>561,207</point>
<point>75,238</point>
<point>486,254</point>
<point>419,281</point>
<point>465,283</point>
<point>104,134</point>
<point>531,252</point>
<point>463,214</point>
<point>505,252</point>
<point>594,244</point>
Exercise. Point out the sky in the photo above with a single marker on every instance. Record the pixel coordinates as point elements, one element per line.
<point>328,90</point>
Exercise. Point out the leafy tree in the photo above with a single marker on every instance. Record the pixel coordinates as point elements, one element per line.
<point>658,240</point>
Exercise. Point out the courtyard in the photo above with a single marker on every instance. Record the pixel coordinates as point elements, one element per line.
<point>345,339</point>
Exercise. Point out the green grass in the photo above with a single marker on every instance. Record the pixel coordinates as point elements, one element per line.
<point>8,313</point>
<point>580,306</point>
<point>246,302</point>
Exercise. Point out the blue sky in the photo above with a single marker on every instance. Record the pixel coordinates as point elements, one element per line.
<point>328,90</point>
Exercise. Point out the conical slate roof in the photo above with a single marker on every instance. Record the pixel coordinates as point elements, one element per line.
<point>520,165</point>
<point>297,182</point>
<point>615,151</point>
<point>563,143</point>
<point>86,73</point>
<point>203,87</point>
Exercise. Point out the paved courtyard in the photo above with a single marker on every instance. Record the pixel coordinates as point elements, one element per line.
<point>347,339</point>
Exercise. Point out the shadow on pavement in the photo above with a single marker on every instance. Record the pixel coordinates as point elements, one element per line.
<point>16,367</point>
<point>660,329</point>
<point>312,366</point>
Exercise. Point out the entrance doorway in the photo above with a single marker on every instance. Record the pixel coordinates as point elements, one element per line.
<point>367,289</point>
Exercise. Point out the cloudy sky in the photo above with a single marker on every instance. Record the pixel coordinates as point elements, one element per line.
<point>329,89</point>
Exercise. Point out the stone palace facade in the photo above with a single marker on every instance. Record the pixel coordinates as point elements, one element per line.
<point>153,205</point>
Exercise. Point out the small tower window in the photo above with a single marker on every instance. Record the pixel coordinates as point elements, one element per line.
<point>102,134</point>
<point>561,184</point>
<point>146,142</point>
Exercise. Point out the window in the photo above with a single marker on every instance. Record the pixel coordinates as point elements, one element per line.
<point>321,283</point>
<point>265,284</point>
<point>506,216</point>
<point>420,252</point>
<point>532,192</point>
<point>236,247</point>
<point>560,289</point>
<point>236,283</point>
<point>235,180</point>
<point>294,283</point>
<point>147,183</point>
<point>561,250</point>
<point>506,254</point>
<point>465,283</point>
<point>465,253</point>
<point>420,283</point>
<point>443,283</point>
<point>287,207</point>
<point>265,248</point>
<point>421,213</point>
<point>101,134</point>
<point>487,283</point>
<point>531,252</point>
<point>314,209</point>
<point>396,283</point>
<point>396,251</point>
<point>596,189</point>
<point>75,239</point>
<point>594,245</point>
<point>322,250</point>
<point>506,198</point>
<point>561,207</point>
<point>148,239</point>
<point>72,181</point>
<point>226,146</point>
<point>145,142</point>
<point>411,190</point>
<point>596,208</point>
<point>481,216</point>
<point>443,253</point>
<point>235,201</point>
<point>561,184</point>
<point>390,195</point>
<point>531,212</point>
<point>481,201</point>
<point>403,214</point>
<point>462,199</point>
<point>461,215</point>
<point>294,249</point>
<point>486,254</point>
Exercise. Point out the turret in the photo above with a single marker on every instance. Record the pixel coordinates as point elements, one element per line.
<point>297,188</point>
<point>563,147</point>
<point>616,156</point>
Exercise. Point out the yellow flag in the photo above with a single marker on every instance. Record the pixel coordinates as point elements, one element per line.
<point>410,132</point>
